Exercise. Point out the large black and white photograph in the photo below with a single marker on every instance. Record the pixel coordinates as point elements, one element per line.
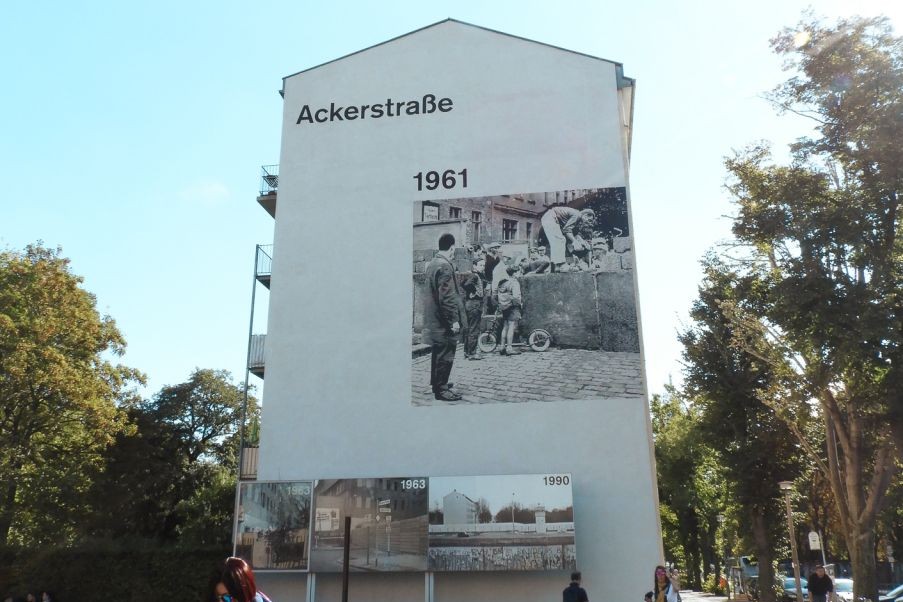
<point>388,524</point>
<point>502,523</point>
<point>273,524</point>
<point>524,297</point>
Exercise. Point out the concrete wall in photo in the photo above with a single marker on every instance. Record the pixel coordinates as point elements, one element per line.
<point>579,309</point>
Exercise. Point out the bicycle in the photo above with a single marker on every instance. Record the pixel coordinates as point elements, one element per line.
<point>539,339</point>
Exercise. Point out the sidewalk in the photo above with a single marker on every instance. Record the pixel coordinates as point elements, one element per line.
<point>690,596</point>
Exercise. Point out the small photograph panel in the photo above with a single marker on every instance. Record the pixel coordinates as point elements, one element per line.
<point>389,524</point>
<point>524,297</point>
<point>502,523</point>
<point>273,525</point>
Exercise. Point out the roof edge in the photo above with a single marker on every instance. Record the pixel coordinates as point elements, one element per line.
<point>618,65</point>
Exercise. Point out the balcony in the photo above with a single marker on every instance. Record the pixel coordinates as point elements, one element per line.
<point>256,355</point>
<point>249,455</point>
<point>263,264</point>
<point>269,184</point>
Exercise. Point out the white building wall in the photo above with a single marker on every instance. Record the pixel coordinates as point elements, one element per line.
<point>526,118</point>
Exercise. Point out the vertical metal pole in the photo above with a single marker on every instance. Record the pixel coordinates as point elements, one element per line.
<point>822,542</point>
<point>428,586</point>
<point>795,556</point>
<point>347,559</point>
<point>244,408</point>
<point>311,587</point>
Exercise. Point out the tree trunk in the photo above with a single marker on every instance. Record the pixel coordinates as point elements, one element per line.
<point>763,553</point>
<point>7,511</point>
<point>862,558</point>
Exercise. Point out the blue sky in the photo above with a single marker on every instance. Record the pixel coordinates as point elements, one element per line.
<point>131,134</point>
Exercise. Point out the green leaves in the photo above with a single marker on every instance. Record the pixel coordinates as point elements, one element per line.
<point>58,396</point>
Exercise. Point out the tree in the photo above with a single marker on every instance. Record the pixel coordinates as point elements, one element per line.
<point>170,478</point>
<point>756,449</point>
<point>690,486</point>
<point>823,240</point>
<point>59,394</point>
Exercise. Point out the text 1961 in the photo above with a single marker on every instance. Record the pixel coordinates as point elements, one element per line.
<point>448,179</point>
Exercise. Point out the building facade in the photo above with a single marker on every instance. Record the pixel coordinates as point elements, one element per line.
<point>444,128</point>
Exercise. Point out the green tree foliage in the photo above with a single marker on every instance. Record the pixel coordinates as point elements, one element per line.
<point>58,394</point>
<point>755,448</point>
<point>174,477</point>
<point>824,243</point>
<point>690,484</point>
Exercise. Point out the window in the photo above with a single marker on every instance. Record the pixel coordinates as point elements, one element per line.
<point>476,218</point>
<point>529,231</point>
<point>454,213</point>
<point>509,229</point>
<point>430,212</point>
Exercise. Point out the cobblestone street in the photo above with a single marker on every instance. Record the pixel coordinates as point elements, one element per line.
<point>552,375</point>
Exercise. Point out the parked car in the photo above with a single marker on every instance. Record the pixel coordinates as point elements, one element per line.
<point>788,589</point>
<point>893,595</point>
<point>843,589</point>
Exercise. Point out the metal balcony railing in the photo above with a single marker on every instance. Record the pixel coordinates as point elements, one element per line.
<point>256,356</point>
<point>269,179</point>
<point>263,264</point>
<point>249,457</point>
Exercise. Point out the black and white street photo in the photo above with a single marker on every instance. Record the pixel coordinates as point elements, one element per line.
<point>388,524</point>
<point>273,524</point>
<point>502,523</point>
<point>524,297</point>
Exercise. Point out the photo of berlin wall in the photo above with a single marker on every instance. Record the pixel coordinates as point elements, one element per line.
<point>502,523</point>
<point>389,524</point>
<point>273,525</point>
<point>533,301</point>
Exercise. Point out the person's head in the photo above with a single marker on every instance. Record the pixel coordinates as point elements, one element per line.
<point>446,241</point>
<point>479,265</point>
<point>661,574</point>
<point>29,597</point>
<point>576,577</point>
<point>820,570</point>
<point>236,582</point>
<point>588,216</point>
<point>495,249</point>
<point>648,597</point>
<point>511,270</point>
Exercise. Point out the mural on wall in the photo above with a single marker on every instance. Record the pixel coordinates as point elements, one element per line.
<point>409,524</point>
<point>502,523</point>
<point>388,524</point>
<point>524,297</point>
<point>273,524</point>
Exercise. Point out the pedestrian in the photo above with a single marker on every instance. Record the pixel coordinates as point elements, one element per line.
<point>493,258</point>
<point>559,224</point>
<point>444,317</point>
<point>573,592</point>
<point>234,582</point>
<point>474,289</point>
<point>538,262</point>
<point>666,588</point>
<point>820,584</point>
<point>510,302</point>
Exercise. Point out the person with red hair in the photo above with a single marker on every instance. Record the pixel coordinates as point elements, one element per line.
<point>235,583</point>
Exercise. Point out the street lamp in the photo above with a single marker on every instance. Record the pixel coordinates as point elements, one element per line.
<point>786,487</point>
